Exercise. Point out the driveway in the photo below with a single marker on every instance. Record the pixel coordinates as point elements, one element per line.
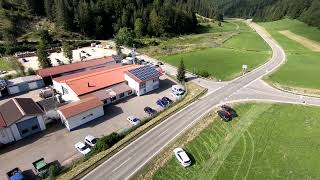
<point>57,143</point>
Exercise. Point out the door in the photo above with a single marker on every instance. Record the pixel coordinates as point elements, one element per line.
<point>28,127</point>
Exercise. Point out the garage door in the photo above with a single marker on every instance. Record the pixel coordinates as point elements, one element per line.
<point>28,127</point>
<point>33,85</point>
<point>24,87</point>
<point>13,90</point>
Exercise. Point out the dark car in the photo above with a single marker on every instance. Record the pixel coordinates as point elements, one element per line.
<point>162,103</point>
<point>230,110</point>
<point>167,100</point>
<point>225,115</point>
<point>150,111</point>
<point>159,63</point>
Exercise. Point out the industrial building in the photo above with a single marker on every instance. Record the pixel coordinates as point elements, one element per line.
<point>19,118</point>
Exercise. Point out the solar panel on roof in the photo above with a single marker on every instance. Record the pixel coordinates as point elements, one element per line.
<point>144,72</point>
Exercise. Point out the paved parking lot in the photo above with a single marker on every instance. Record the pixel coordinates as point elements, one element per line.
<point>94,52</point>
<point>56,143</point>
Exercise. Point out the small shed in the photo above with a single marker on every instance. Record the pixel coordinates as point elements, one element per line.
<point>80,112</point>
<point>24,84</point>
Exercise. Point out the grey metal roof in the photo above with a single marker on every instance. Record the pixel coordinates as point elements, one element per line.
<point>25,79</point>
<point>145,73</point>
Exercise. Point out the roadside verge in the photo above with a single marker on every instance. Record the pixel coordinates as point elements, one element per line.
<point>81,168</point>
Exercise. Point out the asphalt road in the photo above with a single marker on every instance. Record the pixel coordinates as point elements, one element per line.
<point>126,162</point>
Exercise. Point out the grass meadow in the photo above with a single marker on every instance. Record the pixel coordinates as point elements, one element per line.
<point>266,141</point>
<point>302,68</point>
<point>225,61</point>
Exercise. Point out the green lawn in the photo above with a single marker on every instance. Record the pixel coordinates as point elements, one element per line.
<point>266,141</point>
<point>221,63</point>
<point>225,62</point>
<point>4,65</point>
<point>302,67</point>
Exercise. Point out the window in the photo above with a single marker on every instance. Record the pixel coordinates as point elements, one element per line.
<point>24,131</point>
<point>142,85</point>
<point>121,95</point>
<point>35,127</point>
<point>113,98</point>
<point>64,90</point>
<point>87,116</point>
<point>129,92</point>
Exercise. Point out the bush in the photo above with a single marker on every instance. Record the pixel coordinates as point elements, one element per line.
<point>30,71</point>
<point>52,171</point>
<point>204,74</point>
<point>106,142</point>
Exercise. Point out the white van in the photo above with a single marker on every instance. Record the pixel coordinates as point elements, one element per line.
<point>178,90</point>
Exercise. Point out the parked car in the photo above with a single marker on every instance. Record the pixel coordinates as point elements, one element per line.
<point>134,120</point>
<point>88,54</point>
<point>159,63</point>
<point>3,72</point>
<point>150,111</point>
<point>41,167</point>
<point>168,100</point>
<point>162,103</point>
<point>24,60</point>
<point>82,148</point>
<point>178,90</point>
<point>90,140</point>
<point>83,51</point>
<point>46,92</point>
<point>15,174</point>
<point>182,157</point>
<point>225,115</point>
<point>230,110</point>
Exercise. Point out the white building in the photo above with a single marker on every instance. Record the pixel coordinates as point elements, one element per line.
<point>78,113</point>
<point>20,117</point>
<point>24,84</point>
<point>143,79</point>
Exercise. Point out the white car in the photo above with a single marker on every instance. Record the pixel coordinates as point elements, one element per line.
<point>134,120</point>
<point>82,148</point>
<point>182,157</point>
<point>90,140</point>
<point>178,90</point>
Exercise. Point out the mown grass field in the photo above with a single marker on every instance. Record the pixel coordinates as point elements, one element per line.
<point>4,65</point>
<point>225,61</point>
<point>302,67</point>
<point>266,141</point>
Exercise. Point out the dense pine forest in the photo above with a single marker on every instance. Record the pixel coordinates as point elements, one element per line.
<point>307,11</point>
<point>102,18</point>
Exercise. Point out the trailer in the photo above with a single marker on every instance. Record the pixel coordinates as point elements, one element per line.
<point>15,174</point>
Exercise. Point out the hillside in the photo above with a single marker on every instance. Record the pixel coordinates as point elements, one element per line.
<point>307,11</point>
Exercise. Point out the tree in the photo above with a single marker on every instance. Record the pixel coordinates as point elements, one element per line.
<point>181,75</point>
<point>67,51</point>
<point>31,71</point>
<point>17,65</point>
<point>45,37</point>
<point>124,37</point>
<point>48,7</point>
<point>138,27</point>
<point>42,54</point>
<point>62,15</point>
<point>156,23</point>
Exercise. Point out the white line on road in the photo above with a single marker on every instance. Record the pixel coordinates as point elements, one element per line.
<point>121,164</point>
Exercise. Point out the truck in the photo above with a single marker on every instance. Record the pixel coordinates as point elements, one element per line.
<point>15,174</point>
<point>40,167</point>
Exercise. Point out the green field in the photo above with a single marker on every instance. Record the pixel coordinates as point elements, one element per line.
<point>266,141</point>
<point>225,62</point>
<point>221,63</point>
<point>302,66</point>
<point>4,65</point>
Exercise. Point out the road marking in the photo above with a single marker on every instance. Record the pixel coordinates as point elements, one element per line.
<point>121,164</point>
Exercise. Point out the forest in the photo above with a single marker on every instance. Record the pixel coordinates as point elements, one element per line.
<point>307,11</point>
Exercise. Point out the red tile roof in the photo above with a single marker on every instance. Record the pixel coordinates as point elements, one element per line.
<point>75,75</point>
<point>98,80</point>
<point>79,107</point>
<point>2,121</point>
<point>72,67</point>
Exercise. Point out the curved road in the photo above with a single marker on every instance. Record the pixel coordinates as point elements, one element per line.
<point>130,159</point>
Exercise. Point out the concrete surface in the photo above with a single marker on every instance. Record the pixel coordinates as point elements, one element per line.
<point>56,143</point>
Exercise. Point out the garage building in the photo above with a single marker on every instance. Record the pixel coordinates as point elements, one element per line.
<point>24,84</point>
<point>78,113</point>
<point>20,118</point>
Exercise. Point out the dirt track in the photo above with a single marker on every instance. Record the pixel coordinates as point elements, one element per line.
<point>310,44</point>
